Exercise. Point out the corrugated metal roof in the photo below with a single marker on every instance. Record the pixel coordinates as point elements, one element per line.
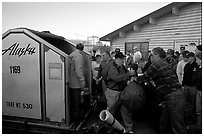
<point>58,41</point>
<point>144,20</point>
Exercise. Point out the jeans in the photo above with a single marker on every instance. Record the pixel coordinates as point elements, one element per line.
<point>199,109</point>
<point>190,95</point>
<point>172,118</point>
<point>75,100</point>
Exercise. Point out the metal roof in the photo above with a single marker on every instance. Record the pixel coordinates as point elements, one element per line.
<point>58,43</point>
<point>47,38</point>
<point>144,20</point>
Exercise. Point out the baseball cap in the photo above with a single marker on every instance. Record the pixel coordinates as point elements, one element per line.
<point>190,54</point>
<point>199,47</point>
<point>119,55</point>
<point>185,54</point>
<point>182,48</point>
<point>117,50</point>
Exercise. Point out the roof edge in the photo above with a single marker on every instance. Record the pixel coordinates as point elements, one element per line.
<point>143,19</point>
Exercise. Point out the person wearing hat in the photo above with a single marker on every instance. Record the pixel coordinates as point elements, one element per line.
<point>190,88</point>
<point>180,66</point>
<point>197,79</point>
<point>177,55</point>
<point>118,76</point>
<point>189,68</point>
<point>182,49</point>
<point>117,50</point>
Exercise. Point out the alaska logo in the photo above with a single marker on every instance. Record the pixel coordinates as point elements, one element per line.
<point>15,50</point>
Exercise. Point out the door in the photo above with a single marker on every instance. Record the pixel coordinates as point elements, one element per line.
<point>143,47</point>
<point>54,84</point>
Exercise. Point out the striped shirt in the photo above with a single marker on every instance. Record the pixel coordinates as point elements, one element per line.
<point>164,77</point>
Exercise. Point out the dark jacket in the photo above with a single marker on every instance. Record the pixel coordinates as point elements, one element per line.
<point>163,76</point>
<point>197,78</point>
<point>103,69</point>
<point>172,62</point>
<point>188,74</point>
<point>147,65</point>
<point>117,77</point>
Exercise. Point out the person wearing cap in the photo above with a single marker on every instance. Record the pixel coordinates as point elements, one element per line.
<point>169,90</point>
<point>117,50</point>
<point>197,79</point>
<point>117,78</point>
<point>177,54</point>
<point>190,88</point>
<point>76,81</point>
<point>182,49</point>
<point>189,68</point>
<point>180,66</point>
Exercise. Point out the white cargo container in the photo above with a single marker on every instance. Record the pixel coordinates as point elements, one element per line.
<point>35,75</point>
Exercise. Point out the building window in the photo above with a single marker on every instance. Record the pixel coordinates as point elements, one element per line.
<point>143,47</point>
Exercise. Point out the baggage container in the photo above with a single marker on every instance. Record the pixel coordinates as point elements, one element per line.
<point>35,82</point>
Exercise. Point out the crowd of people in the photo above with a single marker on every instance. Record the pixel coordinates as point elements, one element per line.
<point>177,77</point>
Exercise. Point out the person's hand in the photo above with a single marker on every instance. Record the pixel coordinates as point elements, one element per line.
<point>132,79</point>
<point>139,71</point>
<point>83,84</point>
<point>183,88</point>
<point>97,81</point>
<point>135,79</point>
<point>132,72</point>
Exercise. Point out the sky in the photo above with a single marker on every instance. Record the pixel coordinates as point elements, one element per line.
<point>75,20</point>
